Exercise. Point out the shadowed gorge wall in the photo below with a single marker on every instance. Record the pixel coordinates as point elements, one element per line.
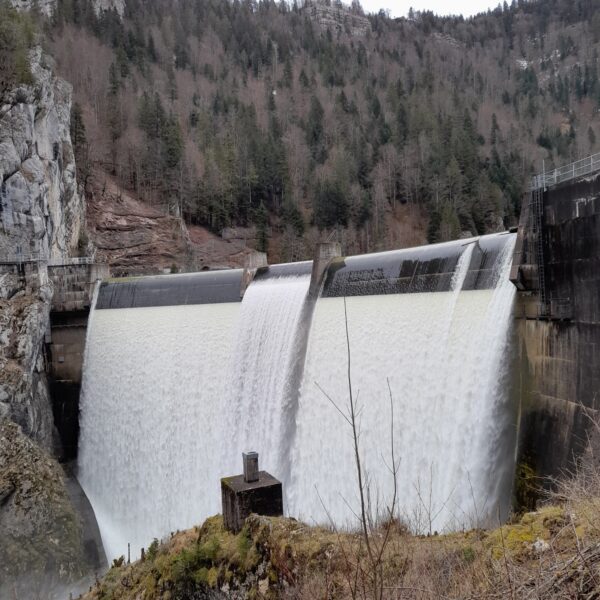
<point>559,356</point>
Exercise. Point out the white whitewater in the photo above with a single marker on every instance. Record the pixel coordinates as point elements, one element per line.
<point>151,419</point>
<point>264,358</point>
<point>446,356</point>
<point>171,396</point>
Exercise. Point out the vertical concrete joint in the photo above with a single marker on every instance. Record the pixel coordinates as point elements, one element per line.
<point>325,252</point>
<point>254,261</point>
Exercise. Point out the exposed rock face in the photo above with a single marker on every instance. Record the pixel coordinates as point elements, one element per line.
<point>40,208</point>
<point>40,534</point>
<point>118,5</point>
<point>46,7</point>
<point>135,238</point>
<point>41,214</point>
<point>335,16</point>
<point>24,317</point>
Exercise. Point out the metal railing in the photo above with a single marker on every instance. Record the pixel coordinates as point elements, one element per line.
<point>74,260</point>
<point>19,259</point>
<point>579,168</point>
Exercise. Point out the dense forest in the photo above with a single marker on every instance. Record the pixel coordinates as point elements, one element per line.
<point>288,119</point>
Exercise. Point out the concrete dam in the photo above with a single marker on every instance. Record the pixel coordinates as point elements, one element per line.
<point>479,356</point>
<point>185,372</point>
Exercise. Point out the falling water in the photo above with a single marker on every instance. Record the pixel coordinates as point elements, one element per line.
<point>451,409</point>
<point>151,419</point>
<point>264,357</point>
<point>172,395</point>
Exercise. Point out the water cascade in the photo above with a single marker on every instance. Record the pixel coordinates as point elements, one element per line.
<point>178,383</point>
<point>151,418</point>
<point>445,355</point>
<point>264,358</point>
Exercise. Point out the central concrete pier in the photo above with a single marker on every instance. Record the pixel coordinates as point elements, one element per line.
<point>253,492</point>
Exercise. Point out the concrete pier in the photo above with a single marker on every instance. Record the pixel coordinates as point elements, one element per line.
<point>253,492</point>
<point>324,254</point>
<point>65,343</point>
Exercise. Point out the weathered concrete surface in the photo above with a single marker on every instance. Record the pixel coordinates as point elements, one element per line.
<point>559,379</point>
<point>65,345</point>
<point>241,498</point>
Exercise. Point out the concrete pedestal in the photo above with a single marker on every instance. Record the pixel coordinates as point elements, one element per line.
<point>241,498</point>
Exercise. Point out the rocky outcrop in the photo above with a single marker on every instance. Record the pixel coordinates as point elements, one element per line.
<point>46,7</point>
<point>41,548</point>
<point>41,214</point>
<point>24,314</point>
<point>337,17</point>
<point>40,208</point>
<point>135,238</point>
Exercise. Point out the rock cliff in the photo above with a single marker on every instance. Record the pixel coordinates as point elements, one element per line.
<point>41,215</point>
<point>24,313</point>
<point>46,7</point>
<point>41,549</point>
<point>41,211</point>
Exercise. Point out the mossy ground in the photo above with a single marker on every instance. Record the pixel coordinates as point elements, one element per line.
<point>283,558</point>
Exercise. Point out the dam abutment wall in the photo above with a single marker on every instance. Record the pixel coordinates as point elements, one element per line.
<point>558,329</point>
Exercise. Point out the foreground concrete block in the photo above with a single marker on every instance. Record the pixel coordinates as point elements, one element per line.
<point>262,495</point>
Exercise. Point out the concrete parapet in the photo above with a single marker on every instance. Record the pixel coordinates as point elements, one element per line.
<point>74,285</point>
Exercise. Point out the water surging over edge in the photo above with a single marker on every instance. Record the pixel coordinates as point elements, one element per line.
<point>171,397</point>
<point>446,356</point>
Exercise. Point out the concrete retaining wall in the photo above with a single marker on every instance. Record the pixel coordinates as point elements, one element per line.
<point>559,356</point>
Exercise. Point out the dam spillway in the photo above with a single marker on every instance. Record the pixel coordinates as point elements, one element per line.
<point>181,374</point>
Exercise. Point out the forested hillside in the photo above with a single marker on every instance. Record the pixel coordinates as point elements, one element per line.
<point>303,122</point>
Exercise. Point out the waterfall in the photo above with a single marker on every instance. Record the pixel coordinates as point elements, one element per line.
<point>152,404</point>
<point>264,357</point>
<point>171,396</point>
<point>452,411</point>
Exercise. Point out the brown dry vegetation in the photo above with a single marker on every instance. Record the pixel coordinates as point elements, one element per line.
<point>551,553</point>
<point>269,119</point>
